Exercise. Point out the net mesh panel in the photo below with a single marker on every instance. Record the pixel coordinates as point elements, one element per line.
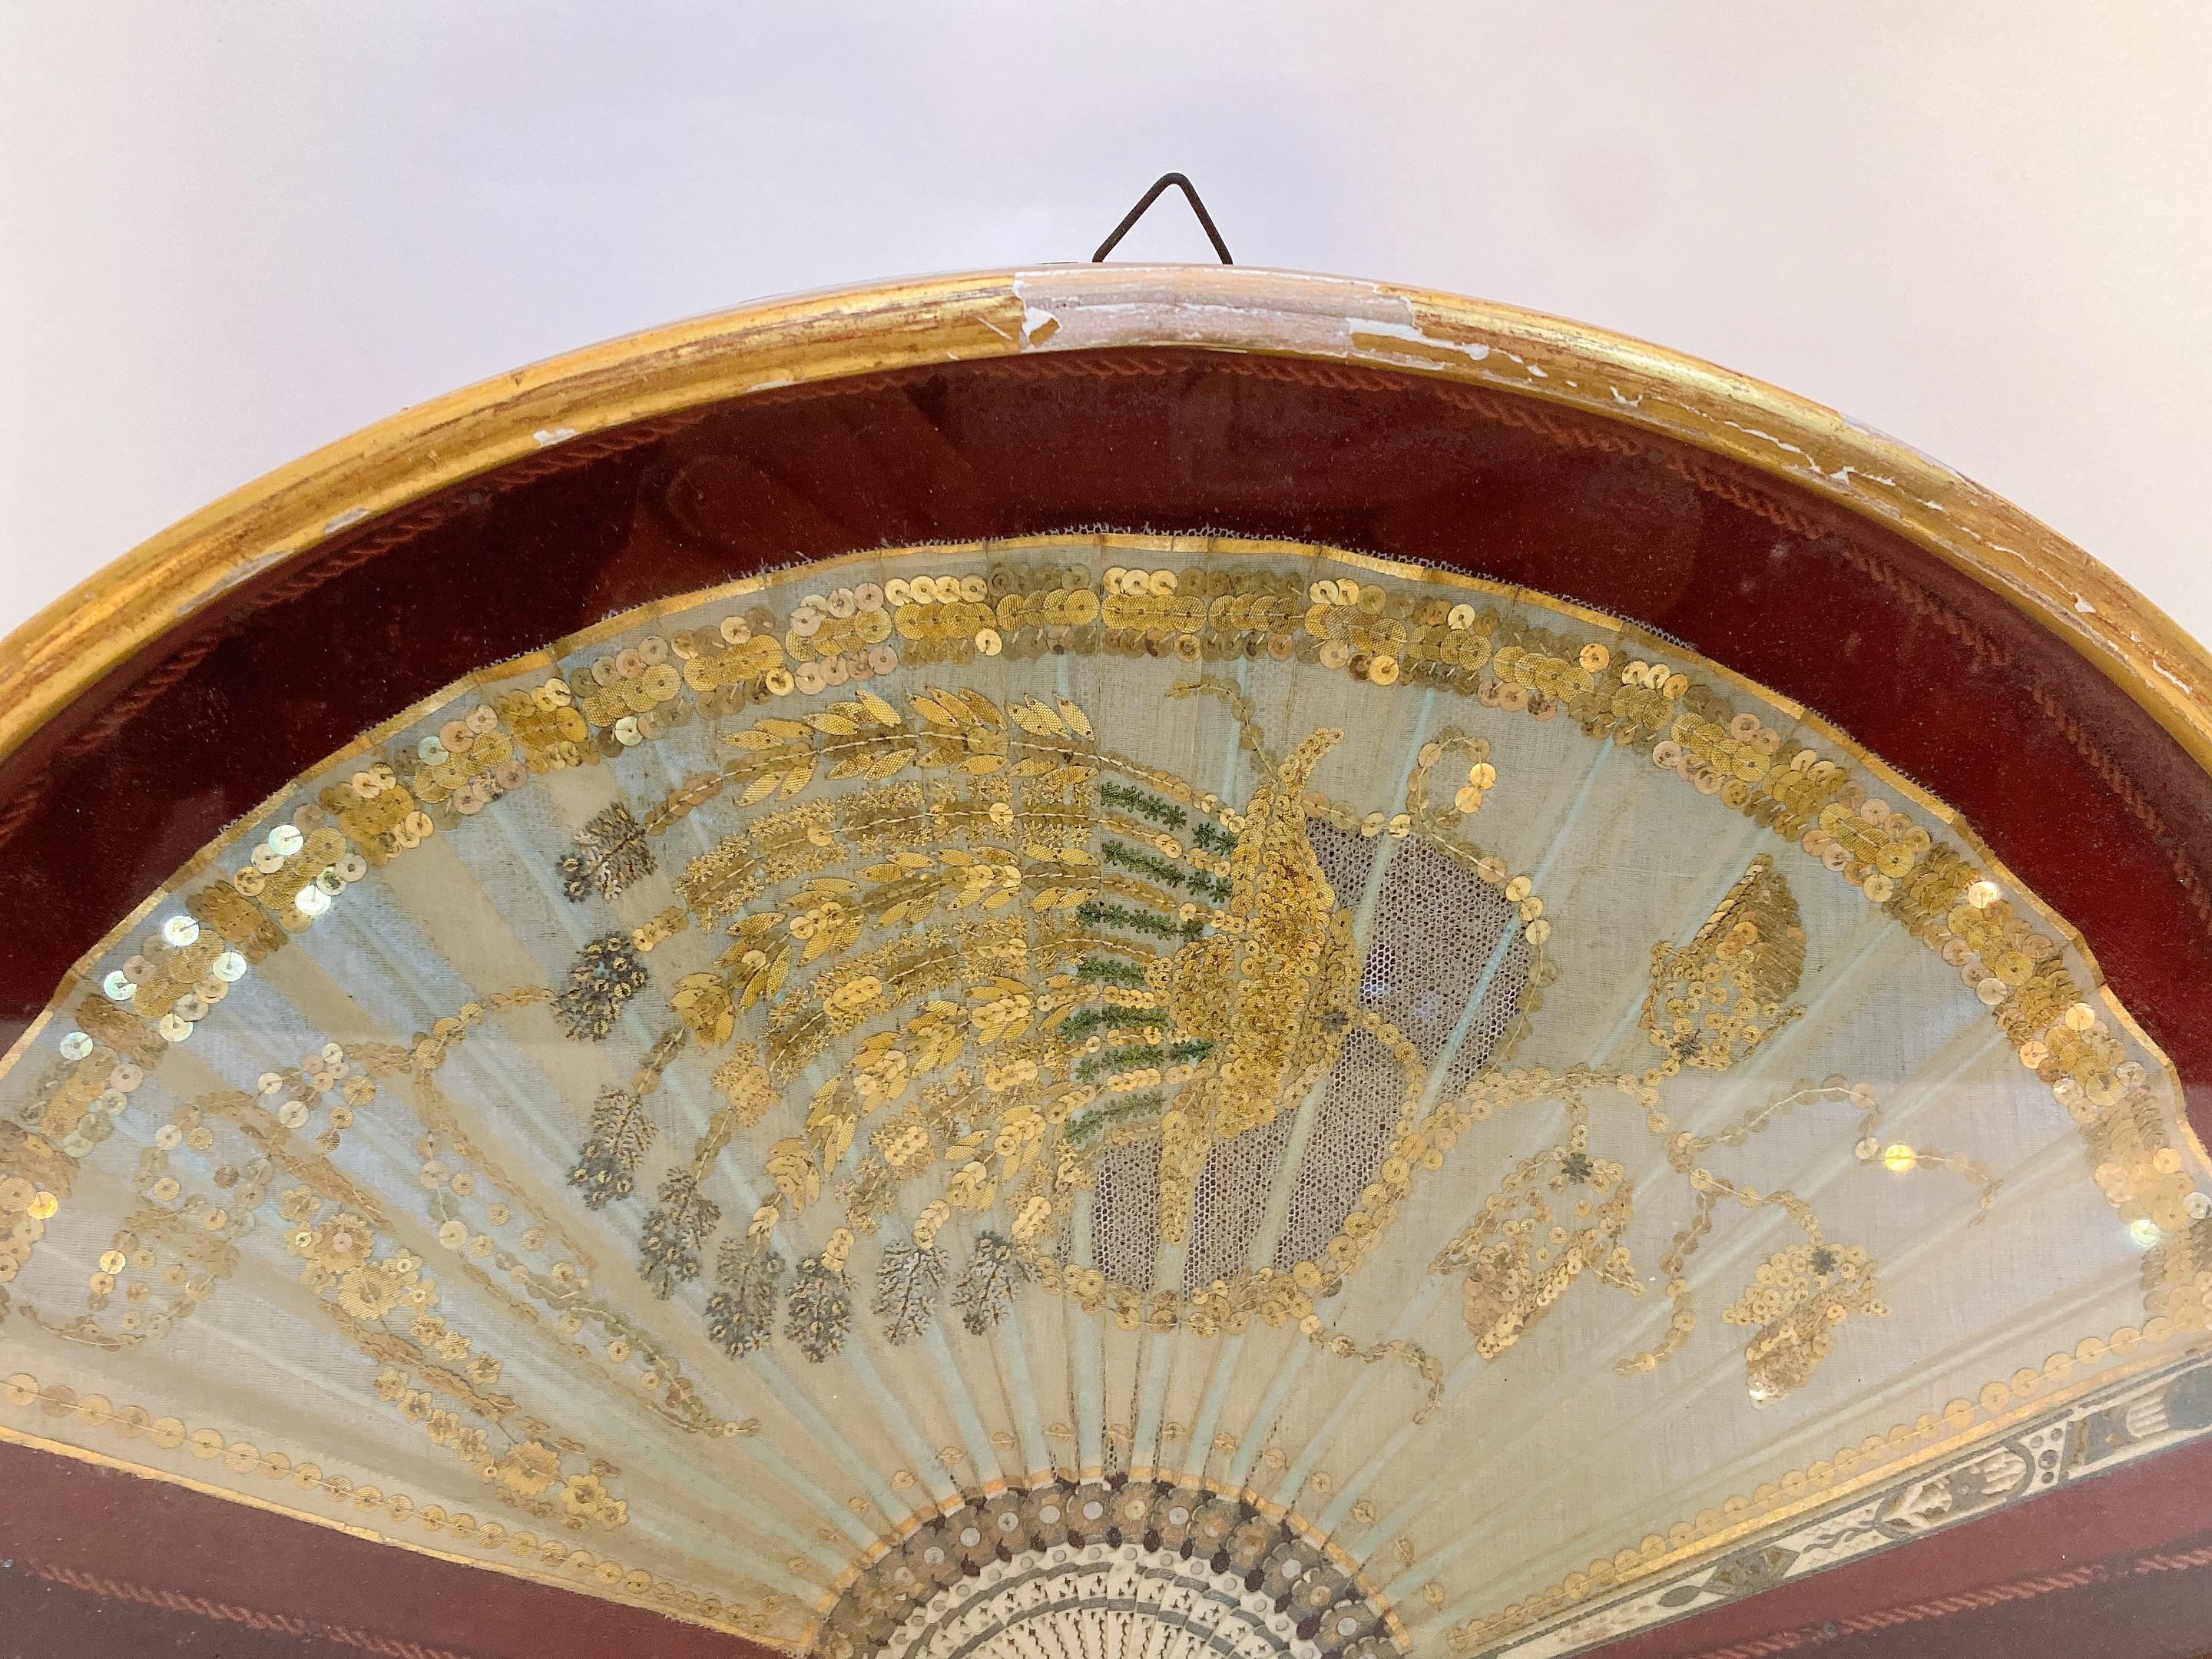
<point>1350,1137</point>
<point>1233,1200</point>
<point>1125,1214</point>
<point>1436,927</point>
<point>1344,860</point>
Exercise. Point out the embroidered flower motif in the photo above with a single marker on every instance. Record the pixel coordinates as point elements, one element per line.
<point>339,1245</point>
<point>298,1204</point>
<point>621,1130</point>
<point>986,1286</point>
<point>1044,1517</point>
<point>528,1469</point>
<point>1213,1525</point>
<point>606,973</point>
<point>585,1498</point>
<point>970,1541</point>
<point>676,1233</point>
<point>369,1293</point>
<point>704,1003</point>
<point>744,1083</point>
<point>741,1316</point>
<point>615,853</point>
<point>821,1309</point>
<point>1797,1298</point>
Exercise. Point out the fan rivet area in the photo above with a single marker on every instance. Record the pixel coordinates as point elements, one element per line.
<point>1182,1572</point>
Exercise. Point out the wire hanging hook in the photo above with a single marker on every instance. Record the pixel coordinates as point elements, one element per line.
<point>1204,219</point>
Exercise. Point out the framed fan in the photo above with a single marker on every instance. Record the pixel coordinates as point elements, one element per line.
<point>1121,959</point>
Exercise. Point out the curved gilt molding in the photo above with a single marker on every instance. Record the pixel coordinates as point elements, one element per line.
<point>103,622</point>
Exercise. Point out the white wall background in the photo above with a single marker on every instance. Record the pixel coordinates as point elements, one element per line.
<point>230,233</point>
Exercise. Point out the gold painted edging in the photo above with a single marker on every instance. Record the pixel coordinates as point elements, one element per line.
<point>1834,1499</point>
<point>103,622</point>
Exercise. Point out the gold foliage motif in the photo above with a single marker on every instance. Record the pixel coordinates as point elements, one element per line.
<point>1798,1300</point>
<point>1282,952</point>
<point>1520,1255</point>
<point>1714,1000</point>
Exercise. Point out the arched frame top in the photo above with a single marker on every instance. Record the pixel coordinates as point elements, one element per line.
<point>115,615</point>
